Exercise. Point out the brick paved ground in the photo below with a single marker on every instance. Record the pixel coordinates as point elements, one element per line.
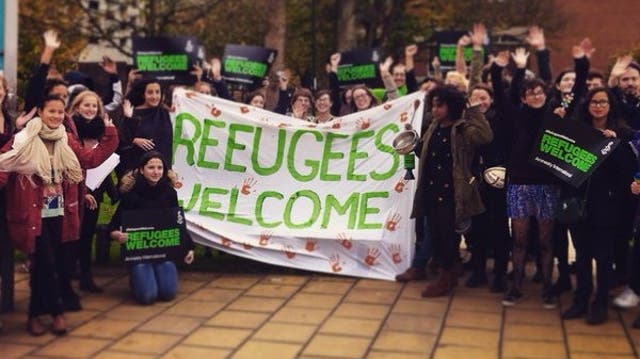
<point>305,315</point>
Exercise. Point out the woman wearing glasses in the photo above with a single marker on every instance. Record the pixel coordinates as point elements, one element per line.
<point>605,191</point>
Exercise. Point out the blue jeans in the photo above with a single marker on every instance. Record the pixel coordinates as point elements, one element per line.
<point>154,281</point>
<point>423,250</point>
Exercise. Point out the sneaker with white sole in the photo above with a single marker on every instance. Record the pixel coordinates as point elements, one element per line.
<point>626,299</point>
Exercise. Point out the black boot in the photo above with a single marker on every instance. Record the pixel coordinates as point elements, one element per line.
<point>576,310</point>
<point>597,313</point>
<point>88,285</point>
<point>499,284</point>
<point>563,284</point>
<point>476,279</point>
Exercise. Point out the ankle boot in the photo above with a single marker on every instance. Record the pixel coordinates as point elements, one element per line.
<point>411,274</point>
<point>441,286</point>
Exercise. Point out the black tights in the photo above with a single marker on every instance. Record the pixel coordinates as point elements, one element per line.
<point>520,227</point>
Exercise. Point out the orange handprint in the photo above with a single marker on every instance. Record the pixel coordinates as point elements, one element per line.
<point>344,240</point>
<point>400,185</point>
<point>264,237</point>
<point>215,111</point>
<point>372,256</point>
<point>394,249</point>
<point>247,184</point>
<point>363,123</point>
<point>392,221</point>
<point>244,109</point>
<point>311,245</point>
<point>247,246</point>
<point>337,123</point>
<point>387,106</point>
<point>288,251</point>
<point>404,117</point>
<point>225,241</point>
<point>334,262</point>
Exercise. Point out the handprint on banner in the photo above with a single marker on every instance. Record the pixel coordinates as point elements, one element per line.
<point>191,94</point>
<point>404,117</point>
<point>247,184</point>
<point>392,222</point>
<point>334,262</point>
<point>288,251</point>
<point>225,241</point>
<point>344,240</point>
<point>337,123</point>
<point>311,245</point>
<point>247,246</point>
<point>401,185</point>
<point>264,238</point>
<point>394,249</point>
<point>387,106</point>
<point>215,111</point>
<point>244,109</point>
<point>372,256</point>
<point>363,123</point>
<point>312,125</point>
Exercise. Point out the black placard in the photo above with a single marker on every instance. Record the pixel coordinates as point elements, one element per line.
<point>447,44</point>
<point>359,66</point>
<point>571,150</point>
<point>247,65</point>
<point>153,235</point>
<point>168,59</point>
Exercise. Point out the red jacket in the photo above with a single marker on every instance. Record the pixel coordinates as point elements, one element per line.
<point>24,199</point>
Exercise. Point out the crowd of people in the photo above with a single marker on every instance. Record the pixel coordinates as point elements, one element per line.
<point>481,115</point>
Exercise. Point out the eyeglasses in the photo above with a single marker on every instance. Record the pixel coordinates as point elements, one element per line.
<point>599,103</point>
<point>535,94</point>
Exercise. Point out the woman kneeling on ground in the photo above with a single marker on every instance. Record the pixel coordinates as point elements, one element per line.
<point>150,186</point>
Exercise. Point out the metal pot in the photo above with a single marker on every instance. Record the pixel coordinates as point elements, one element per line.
<point>405,141</point>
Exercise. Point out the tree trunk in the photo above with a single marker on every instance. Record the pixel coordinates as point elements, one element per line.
<point>346,29</point>
<point>276,11</point>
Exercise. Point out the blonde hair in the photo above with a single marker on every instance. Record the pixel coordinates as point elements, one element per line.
<point>77,100</point>
<point>458,79</point>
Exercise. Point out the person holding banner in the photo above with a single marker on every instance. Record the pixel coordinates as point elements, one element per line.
<point>151,185</point>
<point>447,192</point>
<point>605,191</point>
<point>87,112</point>
<point>146,127</point>
<point>323,106</point>
<point>42,166</point>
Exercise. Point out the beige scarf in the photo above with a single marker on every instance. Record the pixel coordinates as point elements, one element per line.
<point>29,155</point>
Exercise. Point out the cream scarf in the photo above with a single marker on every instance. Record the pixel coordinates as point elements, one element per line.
<point>29,155</point>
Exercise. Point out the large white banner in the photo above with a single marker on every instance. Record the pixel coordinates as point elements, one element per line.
<point>323,197</point>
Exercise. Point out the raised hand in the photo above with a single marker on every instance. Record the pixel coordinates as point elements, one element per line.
<point>385,66</point>
<point>536,38</point>
<point>107,121</point>
<point>334,61</point>
<point>127,109</point>
<point>197,71</point>
<point>108,65</point>
<point>411,50</point>
<point>478,35</point>
<point>621,65</point>
<point>216,69</point>
<point>51,39</point>
<point>520,57</point>
<point>435,62</point>
<point>22,120</point>
<point>587,47</point>
<point>465,40</point>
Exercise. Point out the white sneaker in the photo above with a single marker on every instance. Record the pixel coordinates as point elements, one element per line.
<point>626,299</point>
